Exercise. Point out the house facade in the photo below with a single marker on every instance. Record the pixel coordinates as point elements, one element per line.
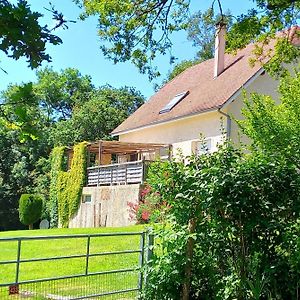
<point>205,99</point>
<point>213,97</point>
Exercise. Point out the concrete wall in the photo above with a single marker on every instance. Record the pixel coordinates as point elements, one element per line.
<point>109,206</point>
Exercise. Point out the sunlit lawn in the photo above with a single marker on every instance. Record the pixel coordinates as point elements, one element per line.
<point>66,267</point>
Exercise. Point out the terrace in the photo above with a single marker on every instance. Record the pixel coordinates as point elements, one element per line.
<point>114,162</point>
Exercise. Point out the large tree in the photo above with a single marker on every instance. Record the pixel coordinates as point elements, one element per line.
<point>103,111</point>
<point>21,34</point>
<point>138,31</point>
<point>59,92</point>
<point>60,108</point>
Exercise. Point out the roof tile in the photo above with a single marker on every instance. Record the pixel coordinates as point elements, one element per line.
<point>205,92</point>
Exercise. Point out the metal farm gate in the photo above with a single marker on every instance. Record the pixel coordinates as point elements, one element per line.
<point>84,266</point>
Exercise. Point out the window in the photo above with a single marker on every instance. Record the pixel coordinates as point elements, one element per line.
<point>86,198</point>
<point>173,102</point>
<point>133,157</point>
<point>164,153</point>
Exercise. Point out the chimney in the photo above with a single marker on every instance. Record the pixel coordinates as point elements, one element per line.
<point>219,49</point>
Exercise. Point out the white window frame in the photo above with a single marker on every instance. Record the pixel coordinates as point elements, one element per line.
<point>84,196</point>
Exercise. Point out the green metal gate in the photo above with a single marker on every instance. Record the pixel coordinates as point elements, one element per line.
<point>73,273</point>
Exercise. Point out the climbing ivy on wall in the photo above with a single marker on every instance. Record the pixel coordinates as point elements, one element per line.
<point>70,185</point>
<point>68,188</point>
<point>57,162</point>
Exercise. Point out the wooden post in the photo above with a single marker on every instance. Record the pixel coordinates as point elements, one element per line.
<point>99,162</point>
<point>100,153</point>
<point>89,157</point>
<point>125,174</point>
<point>189,261</point>
<point>170,151</point>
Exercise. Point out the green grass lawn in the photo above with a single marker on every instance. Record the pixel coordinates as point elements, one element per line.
<point>66,267</point>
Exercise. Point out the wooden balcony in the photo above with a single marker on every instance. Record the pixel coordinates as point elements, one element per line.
<point>124,173</point>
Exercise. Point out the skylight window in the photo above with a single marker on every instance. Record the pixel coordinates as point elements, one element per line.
<point>173,102</point>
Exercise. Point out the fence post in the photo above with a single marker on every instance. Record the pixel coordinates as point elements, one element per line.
<point>141,261</point>
<point>149,254</point>
<point>87,255</point>
<point>150,244</point>
<point>18,260</point>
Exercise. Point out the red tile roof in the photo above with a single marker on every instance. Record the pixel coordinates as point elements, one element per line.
<point>205,92</point>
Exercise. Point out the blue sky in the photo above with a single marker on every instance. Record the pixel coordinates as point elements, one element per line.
<point>80,49</point>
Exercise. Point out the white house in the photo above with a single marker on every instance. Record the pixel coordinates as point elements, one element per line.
<point>194,101</point>
<point>191,104</point>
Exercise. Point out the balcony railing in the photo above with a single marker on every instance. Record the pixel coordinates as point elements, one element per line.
<point>125,173</point>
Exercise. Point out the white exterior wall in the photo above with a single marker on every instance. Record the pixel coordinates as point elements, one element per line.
<point>263,84</point>
<point>182,133</point>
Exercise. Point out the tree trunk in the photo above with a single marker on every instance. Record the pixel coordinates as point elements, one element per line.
<point>189,259</point>
<point>30,226</point>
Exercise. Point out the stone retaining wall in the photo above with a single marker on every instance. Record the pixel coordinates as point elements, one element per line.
<point>108,206</point>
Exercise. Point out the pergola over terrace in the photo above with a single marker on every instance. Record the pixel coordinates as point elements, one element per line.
<point>123,148</point>
<point>133,171</point>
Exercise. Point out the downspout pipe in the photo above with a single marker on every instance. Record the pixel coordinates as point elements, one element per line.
<point>229,121</point>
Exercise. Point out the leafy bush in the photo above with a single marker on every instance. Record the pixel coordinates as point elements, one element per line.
<point>30,209</point>
<point>150,208</point>
<point>232,228</point>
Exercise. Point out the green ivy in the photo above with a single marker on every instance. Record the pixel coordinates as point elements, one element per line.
<point>62,195</point>
<point>57,161</point>
<point>68,185</point>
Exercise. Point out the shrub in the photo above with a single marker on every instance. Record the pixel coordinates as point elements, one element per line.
<point>150,208</point>
<point>30,209</point>
<point>232,230</point>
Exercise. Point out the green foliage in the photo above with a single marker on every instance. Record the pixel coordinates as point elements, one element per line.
<point>21,34</point>
<point>139,31</point>
<point>19,111</point>
<point>63,198</point>
<point>66,187</point>
<point>129,28</point>
<point>106,108</point>
<point>149,209</point>
<point>245,209</point>
<point>202,29</point>
<point>60,92</point>
<point>30,209</point>
<point>31,124</point>
<point>18,164</point>
<point>279,15</point>
<point>77,177</point>
<point>57,163</point>
<point>278,124</point>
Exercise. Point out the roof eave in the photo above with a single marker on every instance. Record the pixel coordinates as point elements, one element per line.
<point>216,108</point>
<point>164,121</point>
<point>244,86</point>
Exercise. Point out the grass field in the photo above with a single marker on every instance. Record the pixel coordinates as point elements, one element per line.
<point>66,267</point>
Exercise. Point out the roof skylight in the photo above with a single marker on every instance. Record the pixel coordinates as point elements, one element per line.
<point>174,102</point>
